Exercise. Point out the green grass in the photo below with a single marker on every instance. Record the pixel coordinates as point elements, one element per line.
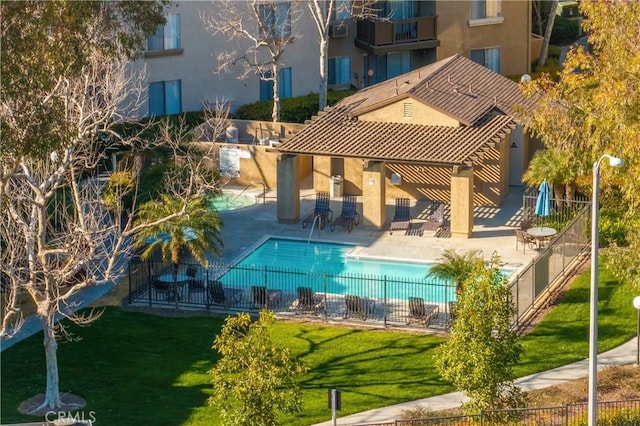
<point>135,368</point>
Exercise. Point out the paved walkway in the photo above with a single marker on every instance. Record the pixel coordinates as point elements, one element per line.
<point>622,355</point>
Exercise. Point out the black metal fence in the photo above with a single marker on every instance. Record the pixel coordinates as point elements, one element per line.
<point>330,297</point>
<point>618,413</point>
<point>377,299</point>
<point>561,212</point>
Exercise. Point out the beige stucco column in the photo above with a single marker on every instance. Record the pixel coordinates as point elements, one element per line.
<point>461,202</point>
<point>288,201</point>
<point>321,173</point>
<point>373,194</point>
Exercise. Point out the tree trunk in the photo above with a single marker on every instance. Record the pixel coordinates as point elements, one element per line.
<point>324,48</point>
<point>544,51</point>
<point>275,114</point>
<point>558,193</point>
<point>538,14</point>
<point>52,396</point>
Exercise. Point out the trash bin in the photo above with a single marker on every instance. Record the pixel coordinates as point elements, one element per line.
<point>336,186</point>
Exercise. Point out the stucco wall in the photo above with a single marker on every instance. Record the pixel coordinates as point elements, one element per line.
<point>195,65</point>
<point>512,35</point>
<point>422,114</point>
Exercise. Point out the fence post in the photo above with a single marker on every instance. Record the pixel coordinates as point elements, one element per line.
<point>324,288</point>
<point>384,304</point>
<point>130,282</point>
<point>206,286</point>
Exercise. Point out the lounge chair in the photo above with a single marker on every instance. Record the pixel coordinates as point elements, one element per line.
<point>308,301</point>
<point>402,218</point>
<point>359,307</point>
<point>524,239</point>
<point>265,299</point>
<point>322,211</point>
<point>434,221</point>
<point>349,216</point>
<point>219,295</point>
<point>419,311</point>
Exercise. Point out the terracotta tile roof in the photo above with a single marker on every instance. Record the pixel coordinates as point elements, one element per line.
<point>456,86</point>
<point>336,135</point>
<point>481,100</point>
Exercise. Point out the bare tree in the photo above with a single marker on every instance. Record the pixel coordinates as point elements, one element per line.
<point>323,13</point>
<point>60,234</point>
<point>544,51</point>
<point>262,30</point>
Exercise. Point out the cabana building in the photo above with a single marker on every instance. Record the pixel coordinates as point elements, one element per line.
<point>446,132</point>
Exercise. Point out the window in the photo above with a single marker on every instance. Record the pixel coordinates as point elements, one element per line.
<point>490,58</point>
<point>276,19</point>
<point>398,63</point>
<point>167,36</point>
<point>483,9</point>
<point>395,10</point>
<point>342,10</point>
<point>284,85</point>
<point>339,70</point>
<point>165,97</point>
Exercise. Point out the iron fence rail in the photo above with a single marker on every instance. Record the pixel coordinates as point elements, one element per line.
<point>551,263</point>
<point>618,413</point>
<point>384,300</point>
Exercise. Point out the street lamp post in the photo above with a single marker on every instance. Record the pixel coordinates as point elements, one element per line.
<point>636,304</point>
<point>593,304</point>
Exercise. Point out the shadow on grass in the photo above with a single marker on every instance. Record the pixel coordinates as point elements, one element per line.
<point>151,373</point>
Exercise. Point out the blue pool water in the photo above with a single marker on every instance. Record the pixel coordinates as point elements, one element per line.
<point>335,272</point>
<point>230,201</point>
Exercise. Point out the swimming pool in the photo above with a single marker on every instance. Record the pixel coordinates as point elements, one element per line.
<point>330,267</point>
<point>230,201</point>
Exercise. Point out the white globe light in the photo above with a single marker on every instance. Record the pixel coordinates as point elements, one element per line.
<point>636,302</point>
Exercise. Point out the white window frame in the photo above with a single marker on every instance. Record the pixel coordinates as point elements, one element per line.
<point>488,54</point>
<point>485,12</point>
<point>168,35</point>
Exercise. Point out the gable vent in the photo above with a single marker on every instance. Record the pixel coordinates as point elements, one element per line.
<point>408,110</point>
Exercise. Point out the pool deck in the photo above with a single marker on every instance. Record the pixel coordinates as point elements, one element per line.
<point>493,231</point>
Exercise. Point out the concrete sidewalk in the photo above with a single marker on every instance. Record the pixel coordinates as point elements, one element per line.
<point>622,355</point>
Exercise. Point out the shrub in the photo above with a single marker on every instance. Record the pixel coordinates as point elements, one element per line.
<point>612,228</point>
<point>292,110</point>
<point>565,30</point>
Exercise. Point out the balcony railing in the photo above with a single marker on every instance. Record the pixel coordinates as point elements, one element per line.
<point>386,33</point>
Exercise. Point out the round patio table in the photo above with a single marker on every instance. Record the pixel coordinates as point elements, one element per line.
<point>177,281</point>
<point>541,233</point>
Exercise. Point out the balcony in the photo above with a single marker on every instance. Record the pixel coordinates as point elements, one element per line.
<point>406,34</point>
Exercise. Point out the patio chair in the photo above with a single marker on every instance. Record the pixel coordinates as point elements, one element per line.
<point>191,272</point>
<point>217,294</point>
<point>321,210</point>
<point>419,311</point>
<point>434,221</point>
<point>402,218</point>
<point>358,307</point>
<point>265,299</point>
<point>524,239</point>
<point>308,301</point>
<point>161,288</point>
<point>349,216</point>
<point>195,287</point>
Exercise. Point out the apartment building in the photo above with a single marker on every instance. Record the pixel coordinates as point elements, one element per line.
<point>181,57</point>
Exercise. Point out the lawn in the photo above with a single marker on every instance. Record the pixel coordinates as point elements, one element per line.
<point>136,368</point>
